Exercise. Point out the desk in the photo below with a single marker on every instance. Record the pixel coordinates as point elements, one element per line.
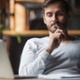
<point>24,79</point>
<point>25,33</point>
<point>35,32</point>
<point>43,79</point>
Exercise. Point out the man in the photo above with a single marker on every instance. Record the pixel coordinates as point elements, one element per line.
<point>58,53</point>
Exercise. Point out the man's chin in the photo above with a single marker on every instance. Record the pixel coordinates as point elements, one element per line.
<point>52,31</point>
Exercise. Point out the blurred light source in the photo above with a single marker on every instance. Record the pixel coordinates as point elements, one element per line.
<point>21,18</point>
<point>11,6</point>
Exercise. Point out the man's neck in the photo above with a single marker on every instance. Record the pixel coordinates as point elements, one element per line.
<point>67,37</point>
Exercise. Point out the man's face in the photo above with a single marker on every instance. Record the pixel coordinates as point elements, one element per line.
<point>55,14</point>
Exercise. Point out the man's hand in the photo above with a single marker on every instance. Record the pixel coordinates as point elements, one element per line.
<point>55,39</point>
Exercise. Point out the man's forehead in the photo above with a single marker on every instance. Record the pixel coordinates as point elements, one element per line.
<point>55,5</point>
<point>54,10</point>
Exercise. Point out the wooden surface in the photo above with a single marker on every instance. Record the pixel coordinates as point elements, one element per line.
<point>27,32</point>
<point>35,32</point>
<point>40,1</point>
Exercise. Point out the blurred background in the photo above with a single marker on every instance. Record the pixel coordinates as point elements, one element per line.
<point>22,19</point>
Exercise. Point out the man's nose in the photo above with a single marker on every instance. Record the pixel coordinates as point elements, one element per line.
<point>54,19</point>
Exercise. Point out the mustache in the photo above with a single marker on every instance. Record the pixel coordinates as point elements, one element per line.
<point>54,24</point>
<point>57,25</point>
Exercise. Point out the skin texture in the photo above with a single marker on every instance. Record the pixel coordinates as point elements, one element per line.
<point>54,14</point>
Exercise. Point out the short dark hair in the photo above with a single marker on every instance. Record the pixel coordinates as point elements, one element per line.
<point>64,3</point>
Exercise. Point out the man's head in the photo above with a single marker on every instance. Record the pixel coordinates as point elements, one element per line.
<point>56,12</point>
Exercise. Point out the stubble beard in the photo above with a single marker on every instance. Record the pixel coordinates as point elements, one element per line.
<point>52,31</point>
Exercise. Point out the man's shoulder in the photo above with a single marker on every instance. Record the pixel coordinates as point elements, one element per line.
<point>42,39</point>
<point>34,42</point>
<point>76,40</point>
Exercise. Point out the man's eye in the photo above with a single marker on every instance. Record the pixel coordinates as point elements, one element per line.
<point>49,15</point>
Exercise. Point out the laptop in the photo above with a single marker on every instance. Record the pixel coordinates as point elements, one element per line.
<point>6,70</point>
<point>5,66</point>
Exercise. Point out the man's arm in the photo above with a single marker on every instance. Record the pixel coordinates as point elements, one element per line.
<point>55,40</point>
<point>32,64</point>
